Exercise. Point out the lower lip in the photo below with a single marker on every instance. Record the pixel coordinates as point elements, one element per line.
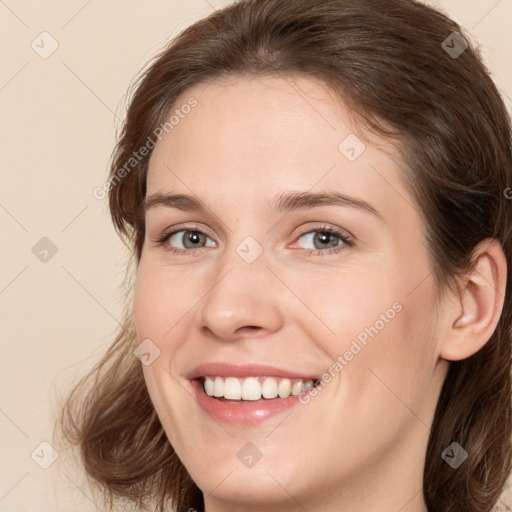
<point>242,412</point>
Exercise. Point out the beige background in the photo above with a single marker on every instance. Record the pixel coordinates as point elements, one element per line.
<point>59,117</point>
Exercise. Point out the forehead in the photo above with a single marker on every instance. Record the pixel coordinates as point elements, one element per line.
<point>251,138</point>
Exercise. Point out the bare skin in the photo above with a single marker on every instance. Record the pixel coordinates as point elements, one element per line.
<point>360,443</point>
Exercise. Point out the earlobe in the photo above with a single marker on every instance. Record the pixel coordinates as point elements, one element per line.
<point>480,303</point>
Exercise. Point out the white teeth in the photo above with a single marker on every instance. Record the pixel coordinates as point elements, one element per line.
<point>269,388</point>
<point>218,389</point>
<point>297,387</point>
<point>251,389</point>
<point>232,388</point>
<point>284,388</point>
<point>209,387</point>
<point>254,388</point>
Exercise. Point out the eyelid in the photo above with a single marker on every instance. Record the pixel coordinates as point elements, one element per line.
<point>321,226</point>
<point>184,227</point>
<point>208,232</point>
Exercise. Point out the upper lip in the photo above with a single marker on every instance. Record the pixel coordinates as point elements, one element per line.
<point>245,370</point>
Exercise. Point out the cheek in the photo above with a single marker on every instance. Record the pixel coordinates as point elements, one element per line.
<point>160,310</point>
<point>147,304</point>
<point>163,310</point>
<point>355,304</point>
<point>160,301</point>
<point>385,337</point>
<point>390,375</point>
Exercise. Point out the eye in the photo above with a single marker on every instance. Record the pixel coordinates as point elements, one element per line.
<point>185,240</point>
<point>326,240</point>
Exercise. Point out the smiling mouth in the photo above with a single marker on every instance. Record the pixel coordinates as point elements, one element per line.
<point>250,389</point>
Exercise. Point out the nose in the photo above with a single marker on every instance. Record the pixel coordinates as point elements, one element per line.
<point>243,302</point>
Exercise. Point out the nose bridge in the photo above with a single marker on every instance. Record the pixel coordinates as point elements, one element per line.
<point>242,293</point>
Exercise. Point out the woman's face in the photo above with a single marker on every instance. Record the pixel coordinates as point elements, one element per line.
<point>257,280</point>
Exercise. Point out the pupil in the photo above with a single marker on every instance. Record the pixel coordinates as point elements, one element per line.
<point>325,237</point>
<point>194,237</point>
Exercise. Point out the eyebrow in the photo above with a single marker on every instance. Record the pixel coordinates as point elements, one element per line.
<point>286,202</point>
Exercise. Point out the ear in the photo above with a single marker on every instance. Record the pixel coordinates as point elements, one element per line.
<point>473,317</point>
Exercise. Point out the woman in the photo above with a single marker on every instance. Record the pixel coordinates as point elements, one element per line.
<point>375,378</point>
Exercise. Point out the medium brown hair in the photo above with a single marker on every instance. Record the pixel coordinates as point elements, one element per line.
<point>387,61</point>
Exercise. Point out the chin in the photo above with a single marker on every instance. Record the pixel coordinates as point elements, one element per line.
<point>246,486</point>
<point>266,482</point>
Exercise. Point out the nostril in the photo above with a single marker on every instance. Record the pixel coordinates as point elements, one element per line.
<point>249,329</point>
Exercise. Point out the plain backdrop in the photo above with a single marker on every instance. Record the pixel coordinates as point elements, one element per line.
<point>66,67</point>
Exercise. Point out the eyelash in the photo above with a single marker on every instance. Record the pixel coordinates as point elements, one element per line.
<point>347,242</point>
